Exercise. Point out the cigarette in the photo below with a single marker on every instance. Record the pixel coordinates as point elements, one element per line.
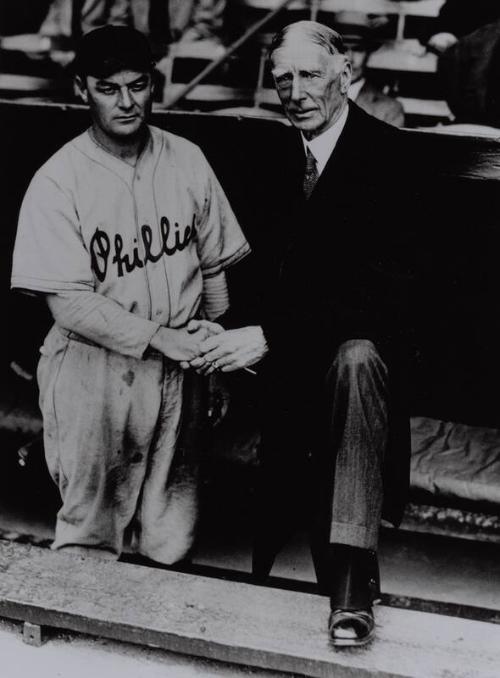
<point>247,369</point>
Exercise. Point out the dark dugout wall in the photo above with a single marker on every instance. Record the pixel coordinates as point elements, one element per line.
<point>455,215</point>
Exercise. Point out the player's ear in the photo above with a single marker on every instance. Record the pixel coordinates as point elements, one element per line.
<point>81,88</point>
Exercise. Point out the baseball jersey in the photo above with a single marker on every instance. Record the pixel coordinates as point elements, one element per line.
<point>144,236</point>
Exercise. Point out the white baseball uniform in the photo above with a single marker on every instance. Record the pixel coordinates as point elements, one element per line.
<point>121,422</point>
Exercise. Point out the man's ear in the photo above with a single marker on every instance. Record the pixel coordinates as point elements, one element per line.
<point>345,76</point>
<point>81,89</point>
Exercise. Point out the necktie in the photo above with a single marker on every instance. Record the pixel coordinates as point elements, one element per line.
<point>310,174</point>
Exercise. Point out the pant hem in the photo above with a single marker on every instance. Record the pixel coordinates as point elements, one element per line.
<point>354,535</point>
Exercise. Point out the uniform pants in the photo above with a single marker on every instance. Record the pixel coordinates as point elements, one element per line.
<point>122,442</point>
<point>356,401</point>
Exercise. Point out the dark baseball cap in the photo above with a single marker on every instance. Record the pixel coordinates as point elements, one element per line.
<point>110,49</point>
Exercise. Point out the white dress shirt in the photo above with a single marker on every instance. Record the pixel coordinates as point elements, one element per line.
<point>322,146</point>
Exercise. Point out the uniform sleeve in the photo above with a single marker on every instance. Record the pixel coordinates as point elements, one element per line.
<point>102,321</point>
<point>49,253</point>
<point>221,242</point>
<point>215,296</point>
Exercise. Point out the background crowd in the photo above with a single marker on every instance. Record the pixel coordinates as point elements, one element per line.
<point>451,78</point>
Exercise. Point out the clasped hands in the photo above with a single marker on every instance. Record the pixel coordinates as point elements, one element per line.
<point>225,350</point>
<point>206,346</point>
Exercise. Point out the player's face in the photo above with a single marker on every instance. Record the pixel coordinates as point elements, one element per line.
<point>311,83</point>
<point>119,104</point>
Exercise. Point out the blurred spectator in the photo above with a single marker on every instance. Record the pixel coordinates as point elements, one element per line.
<point>470,73</point>
<point>458,18</point>
<point>193,20</point>
<point>73,18</point>
<point>357,30</point>
<point>64,21</point>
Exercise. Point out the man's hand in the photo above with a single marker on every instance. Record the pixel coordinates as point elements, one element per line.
<point>441,42</point>
<point>179,345</point>
<point>231,350</point>
<point>209,329</point>
<point>207,325</point>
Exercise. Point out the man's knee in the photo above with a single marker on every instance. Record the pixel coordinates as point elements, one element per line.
<point>356,354</point>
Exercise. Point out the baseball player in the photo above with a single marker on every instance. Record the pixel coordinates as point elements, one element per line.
<point>126,232</point>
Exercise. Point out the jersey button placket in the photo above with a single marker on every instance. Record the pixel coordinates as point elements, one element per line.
<point>147,208</point>
<point>138,223</point>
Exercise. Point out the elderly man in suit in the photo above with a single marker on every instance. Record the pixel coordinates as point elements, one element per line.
<point>330,342</point>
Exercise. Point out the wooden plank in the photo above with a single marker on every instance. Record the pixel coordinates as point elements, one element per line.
<point>269,5</point>
<point>405,56</point>
<point>209,93</point>
<point>26,83</point>
<point>427,8</point>
<point>233,622</point>
<point>250,112</point>
<point>268,95</point>
<point>200,49</point>
<point>31,43</point>
<point>429,107</point>
<point>469,130</point>
<point>33,634</point>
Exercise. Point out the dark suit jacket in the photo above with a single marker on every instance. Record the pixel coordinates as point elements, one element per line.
<point>340,271</point>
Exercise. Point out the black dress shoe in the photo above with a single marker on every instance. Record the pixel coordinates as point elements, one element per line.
<point>353,588</point>
<point>348,628</point>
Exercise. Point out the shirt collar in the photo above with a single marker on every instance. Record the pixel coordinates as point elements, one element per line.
<point>356,88</point>
<point>322,146</point>
<point>92,149</point>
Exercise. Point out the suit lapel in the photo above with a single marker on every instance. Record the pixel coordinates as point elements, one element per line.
<point>340,160</point>
<point>335,191</point>
<point>296,161</point>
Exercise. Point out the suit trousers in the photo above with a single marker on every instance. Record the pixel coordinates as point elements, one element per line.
<point>322,457</point>
<point>355,405</point>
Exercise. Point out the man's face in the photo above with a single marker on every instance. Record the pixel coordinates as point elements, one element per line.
<point>358,57</point>
<point>120,103</point>
<point>311,83</point>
